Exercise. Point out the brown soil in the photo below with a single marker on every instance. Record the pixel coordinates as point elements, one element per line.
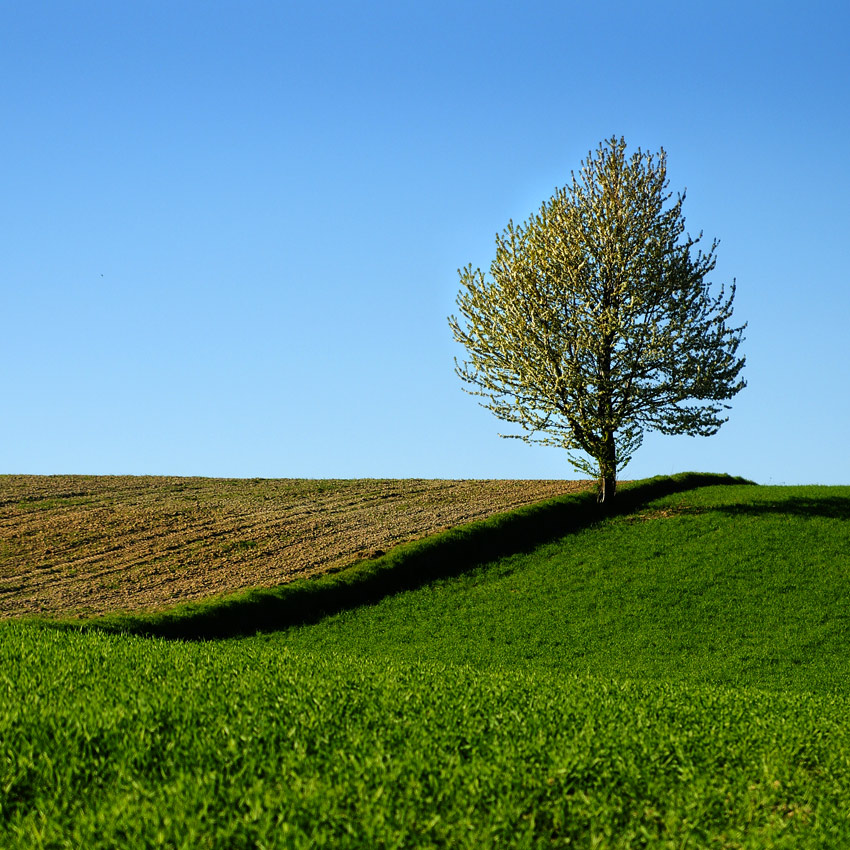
<point>86,545</point>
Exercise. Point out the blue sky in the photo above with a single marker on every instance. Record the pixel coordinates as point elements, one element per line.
<point>231,230</point>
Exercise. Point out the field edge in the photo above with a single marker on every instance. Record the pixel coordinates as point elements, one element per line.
<point>407,566</point>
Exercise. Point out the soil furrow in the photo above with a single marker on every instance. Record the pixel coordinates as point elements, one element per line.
<point>92,544</point>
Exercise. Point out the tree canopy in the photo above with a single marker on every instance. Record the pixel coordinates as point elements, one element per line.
<point>597,321</point>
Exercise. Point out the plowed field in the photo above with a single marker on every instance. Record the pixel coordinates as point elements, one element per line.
<point>86,545</point>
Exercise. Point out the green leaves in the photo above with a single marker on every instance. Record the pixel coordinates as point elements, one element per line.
<point>596,321</point>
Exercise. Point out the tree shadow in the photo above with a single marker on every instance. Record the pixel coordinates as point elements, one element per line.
<point>830,507</point>
<point>407,567</point>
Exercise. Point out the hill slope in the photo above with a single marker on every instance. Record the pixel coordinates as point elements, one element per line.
<point>673,676</point>
<point>732,584</point>
<point>114,741</point>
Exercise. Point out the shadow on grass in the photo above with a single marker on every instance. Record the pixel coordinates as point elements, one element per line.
<point>406,567</point>
<point>831,507</point>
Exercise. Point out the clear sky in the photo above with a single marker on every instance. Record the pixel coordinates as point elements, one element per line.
<point>231,231</point>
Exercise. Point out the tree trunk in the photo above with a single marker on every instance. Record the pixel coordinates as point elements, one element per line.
<point>608,471</point>
<point>607,489</point>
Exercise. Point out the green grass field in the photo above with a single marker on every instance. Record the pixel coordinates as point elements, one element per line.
<point>676,675</point>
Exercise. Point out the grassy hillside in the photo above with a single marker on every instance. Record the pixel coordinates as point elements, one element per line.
<point>739,585</point>
<point>109,741</point>
<point>672,676</point>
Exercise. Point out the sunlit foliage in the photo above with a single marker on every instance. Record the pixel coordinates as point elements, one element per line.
<point>597,321</point>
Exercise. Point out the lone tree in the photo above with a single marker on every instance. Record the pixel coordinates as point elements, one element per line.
<point>597,323</point>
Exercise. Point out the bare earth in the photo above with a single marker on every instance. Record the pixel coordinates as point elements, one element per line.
<point>86,545</point>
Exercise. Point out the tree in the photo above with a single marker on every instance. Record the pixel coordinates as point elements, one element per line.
<point>597,322</point>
